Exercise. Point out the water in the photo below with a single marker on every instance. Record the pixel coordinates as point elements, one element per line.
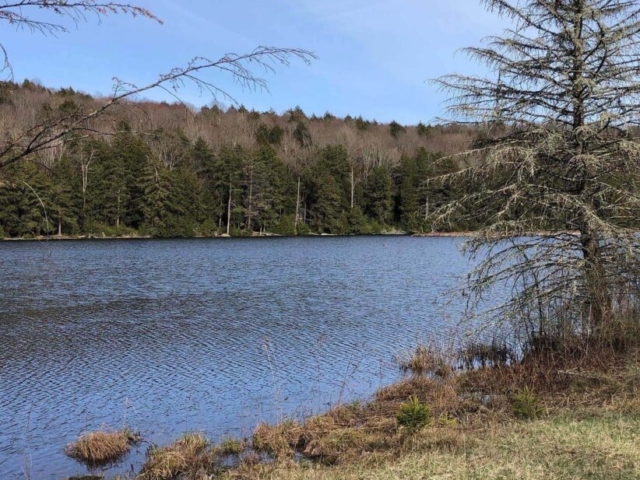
<point>208,335</point>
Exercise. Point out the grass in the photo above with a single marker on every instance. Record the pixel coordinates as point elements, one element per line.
<point>582,421</point>
<point>101,447</point>
<point>188,456</point>
<point>565,447</point>
<point>231,446</point>
<point>425,360</point>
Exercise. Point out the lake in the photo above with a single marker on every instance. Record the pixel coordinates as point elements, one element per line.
<point>168,336</point>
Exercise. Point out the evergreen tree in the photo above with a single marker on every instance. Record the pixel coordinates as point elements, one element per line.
<point>25,202</point>
<point>407,196</point>
<point>226,177</point>
<point>330,190</point>
<point>378,195</point>
<point>65,198</point>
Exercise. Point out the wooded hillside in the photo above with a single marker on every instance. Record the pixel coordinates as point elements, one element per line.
<point>171,170</point>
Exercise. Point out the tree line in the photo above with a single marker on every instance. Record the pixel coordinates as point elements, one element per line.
<point>175,178</point>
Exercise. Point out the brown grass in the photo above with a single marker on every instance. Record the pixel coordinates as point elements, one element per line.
<point>102,446</point>
<point>426,360</point>
<point>462,405</point>
<point>189,456</point>
<point>230,446</point>
<point>359,431</point>
<point>361,440</point>
<point>279,441</point>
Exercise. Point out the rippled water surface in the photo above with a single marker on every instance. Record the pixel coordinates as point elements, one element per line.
<point>208,335</point>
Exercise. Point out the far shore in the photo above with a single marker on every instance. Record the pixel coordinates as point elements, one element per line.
<point>255,235</point>
<point>465,234</point>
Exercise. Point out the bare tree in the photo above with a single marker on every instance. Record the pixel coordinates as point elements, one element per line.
<point>560,154</point>
<point>81,121</point>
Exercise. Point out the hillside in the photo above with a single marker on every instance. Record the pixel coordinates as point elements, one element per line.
<point>164,169</point>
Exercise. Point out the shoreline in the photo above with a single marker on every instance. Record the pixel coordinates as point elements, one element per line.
<point>465,234</point>
<point>224,236</point>
<point>465,425</point>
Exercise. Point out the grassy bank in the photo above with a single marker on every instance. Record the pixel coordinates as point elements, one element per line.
<point>567,446</point>
<point>543,418</point>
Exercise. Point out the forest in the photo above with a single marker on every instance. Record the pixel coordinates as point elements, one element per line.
<point>173,170</point>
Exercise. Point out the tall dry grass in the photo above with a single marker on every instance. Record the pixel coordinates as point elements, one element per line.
<point>101,447</point>
<point>188,457</point>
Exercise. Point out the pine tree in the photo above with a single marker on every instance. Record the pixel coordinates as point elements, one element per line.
<point>330,190</point>
<point>66,203</point>
<point>407,197</point>
<point>378,195</point>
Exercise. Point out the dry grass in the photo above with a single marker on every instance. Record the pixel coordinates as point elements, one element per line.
<point>359,432</point>
<point>565,447</point>
<point>473,412</point>
<point>95,448</point>
<point>425,360</point>
<point>279,441</point>
<point>189,456</point>
<point>589,428</point>
<point>230,446</point>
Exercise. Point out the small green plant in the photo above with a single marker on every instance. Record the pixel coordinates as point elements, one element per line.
<point>446,420</point>
<point>231,446</point>
<point>414,414</point>
<point>526,404</point>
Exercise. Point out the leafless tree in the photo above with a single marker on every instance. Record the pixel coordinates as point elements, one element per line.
<point>81,121</point>
<point>560,154</point>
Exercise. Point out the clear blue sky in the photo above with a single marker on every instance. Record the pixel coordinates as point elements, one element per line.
<point>374,55</point>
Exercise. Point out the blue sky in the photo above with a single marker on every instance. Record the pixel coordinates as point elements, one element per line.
<point>375,56</point>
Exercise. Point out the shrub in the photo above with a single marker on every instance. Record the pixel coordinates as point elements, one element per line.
<point>286,226</point>
<point>526,404</point>
<point>446,420</point>
<point>303,228</point>
<point>414,415</point>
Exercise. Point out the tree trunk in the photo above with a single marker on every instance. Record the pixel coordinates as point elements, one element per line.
<point>353,187</point>
<point>249,213</point>
<point>295,223</point>
<point>118,212</point>
<point>599,300</point>
<point>598,297</point>
<point>59,224</point>
<point>229,211</point>
<point>84,171</point>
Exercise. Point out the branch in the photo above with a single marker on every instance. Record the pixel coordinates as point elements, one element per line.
<point>57,127</point>
<point>17,15</point>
